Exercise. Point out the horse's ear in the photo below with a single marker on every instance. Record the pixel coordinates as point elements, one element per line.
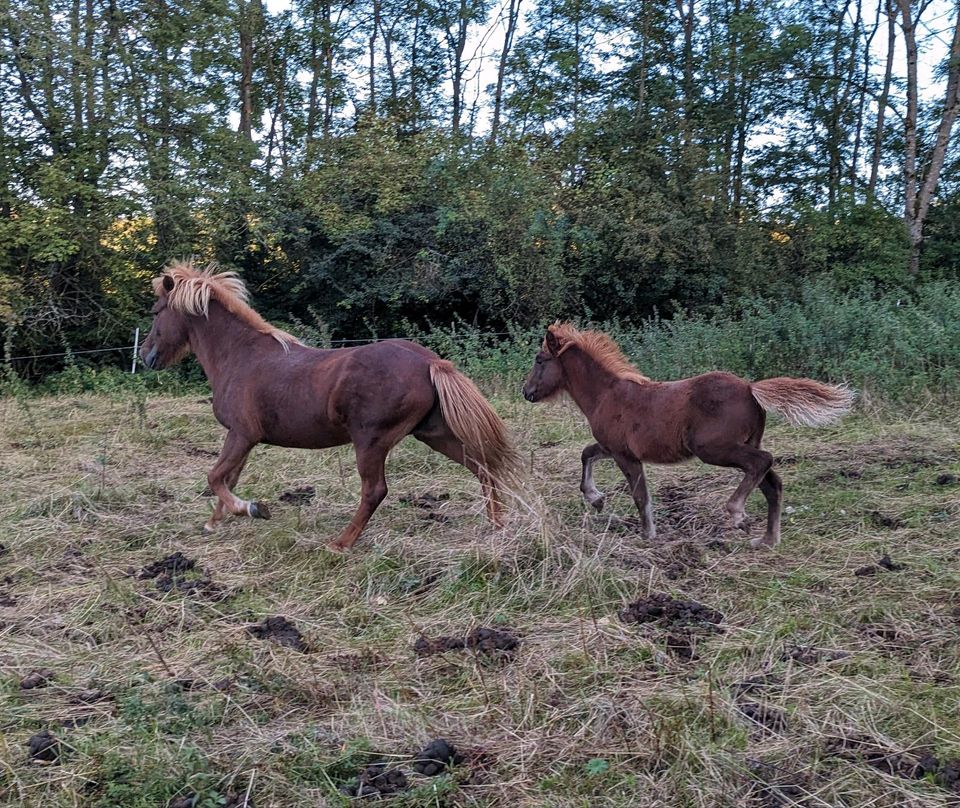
<point>553,343</point>
<point>167,283</point>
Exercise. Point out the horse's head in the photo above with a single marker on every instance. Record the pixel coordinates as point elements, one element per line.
<point>168,341</point>
<point>546,378</point>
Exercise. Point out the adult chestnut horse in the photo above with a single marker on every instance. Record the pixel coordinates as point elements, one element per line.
<point>270,388</point>
<point>717,417</point>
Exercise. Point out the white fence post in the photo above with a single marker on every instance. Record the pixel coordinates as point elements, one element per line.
<point>136,344</point>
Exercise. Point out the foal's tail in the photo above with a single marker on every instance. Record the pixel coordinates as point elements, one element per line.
<point>475,423</point>
<point>803,402</point>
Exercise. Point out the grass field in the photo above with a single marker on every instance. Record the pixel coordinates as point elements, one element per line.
<point>818,687</point>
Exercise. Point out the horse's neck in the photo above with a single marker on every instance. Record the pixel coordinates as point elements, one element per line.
<point>587,380</point>
<point>221,342</point>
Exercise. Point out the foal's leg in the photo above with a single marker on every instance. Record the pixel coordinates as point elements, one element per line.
<point>593,495</point>
<point>753,462</point>
<point>772,489</point>
<point>636,479</point>
<point>445,442</point>
<point>223,477</point>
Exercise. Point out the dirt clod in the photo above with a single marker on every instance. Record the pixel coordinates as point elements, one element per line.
<point>281,631</point>
<point>949,776</point>
<point>808,655</point>
<point>482,640</point>
<point>664,609</point>
<point>44,748</point>
<point>376,782</point>
<point>889,522</point>
<point>173,564</point>
<point>303,495</point>
<point>35,679</point>
<point>435,757</point>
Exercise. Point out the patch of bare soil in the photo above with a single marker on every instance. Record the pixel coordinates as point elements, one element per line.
<point>676,508</point>
<point>43,748</point>
<point>436,757</point>
<point>376,782</point>
<point>884,563</point>
<point>281,631</point>
<point>302,495</point>
<point>171,575</point>
<point>489,641</point>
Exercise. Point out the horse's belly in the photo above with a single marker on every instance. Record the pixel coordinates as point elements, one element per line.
<point>308,437</point>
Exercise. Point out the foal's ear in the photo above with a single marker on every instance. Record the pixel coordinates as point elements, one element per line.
<point>167,283</point>
<point>552,343</point>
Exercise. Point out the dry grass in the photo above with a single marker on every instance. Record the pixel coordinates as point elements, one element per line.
<point>590,711</point>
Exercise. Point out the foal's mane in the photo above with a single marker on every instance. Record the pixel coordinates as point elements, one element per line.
<point>600,347</point>
<point>194,289</point>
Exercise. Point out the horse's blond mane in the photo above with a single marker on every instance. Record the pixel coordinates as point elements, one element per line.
<point>194,289</point>
<point>604,351</point>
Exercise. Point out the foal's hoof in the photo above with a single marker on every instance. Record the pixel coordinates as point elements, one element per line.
<point>258,510</point>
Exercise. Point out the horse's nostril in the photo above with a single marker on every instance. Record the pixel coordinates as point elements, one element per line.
<point>151,359</point>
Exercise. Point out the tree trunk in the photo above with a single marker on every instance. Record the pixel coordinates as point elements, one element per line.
<point>513,15</point>
<point>891,12</point>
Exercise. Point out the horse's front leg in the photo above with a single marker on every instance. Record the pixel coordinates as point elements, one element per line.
<point>590,455</point>
<point>223,477</point>
<point>637,480</point>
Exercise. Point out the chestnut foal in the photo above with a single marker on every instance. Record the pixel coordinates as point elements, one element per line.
<point>717,417</point>
<point>269,388</point>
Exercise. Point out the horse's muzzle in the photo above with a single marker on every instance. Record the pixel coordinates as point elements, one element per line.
<point>528,395</point>
<point>150,360</point>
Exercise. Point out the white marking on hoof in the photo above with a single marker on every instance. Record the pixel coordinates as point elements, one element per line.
<point>765,541</point>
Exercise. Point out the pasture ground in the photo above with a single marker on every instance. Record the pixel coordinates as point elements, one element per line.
<point>819,687</point>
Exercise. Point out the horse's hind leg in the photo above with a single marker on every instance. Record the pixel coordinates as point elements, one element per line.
<point>590,455</point>
<point>441,439</point>
<point>223,477</point>
<point>753,462</point>
<point>772,489</point>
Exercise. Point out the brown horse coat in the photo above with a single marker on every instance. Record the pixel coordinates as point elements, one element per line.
<point>717,417</point>
<point>269,388</point>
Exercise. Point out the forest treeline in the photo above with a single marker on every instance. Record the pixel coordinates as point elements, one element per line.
<point>375,167</point>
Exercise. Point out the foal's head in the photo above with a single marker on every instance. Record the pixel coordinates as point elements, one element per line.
<point>168,341</point>
<point>546,378</point>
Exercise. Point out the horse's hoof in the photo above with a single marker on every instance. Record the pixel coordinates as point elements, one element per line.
<point>765,541</point>
<point>208,530</point>
<point>258,510</point>
<point>598,503</point>
<point>336,547</point>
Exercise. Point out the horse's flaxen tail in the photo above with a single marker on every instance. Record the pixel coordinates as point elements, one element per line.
<point>475,423</point>
<point>803,402</point>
